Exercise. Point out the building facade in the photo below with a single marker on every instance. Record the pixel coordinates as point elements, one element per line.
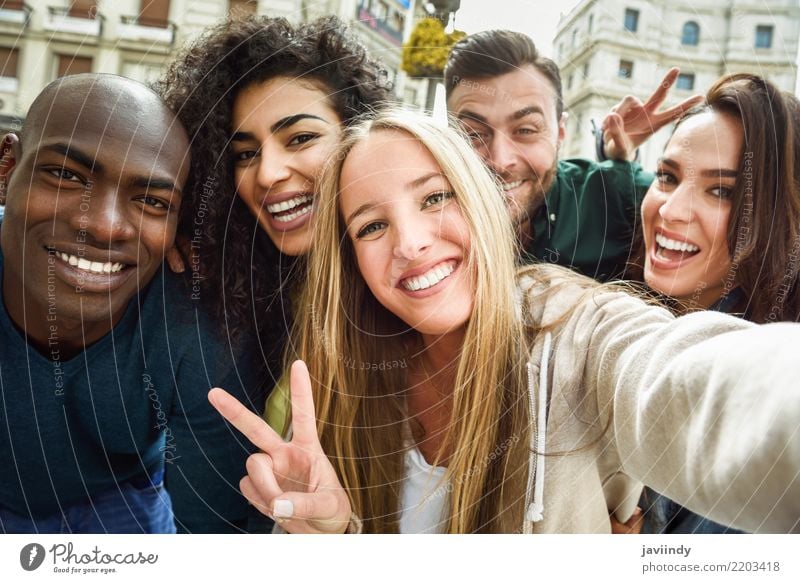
<point>41,40</point>
<point>607,49</point>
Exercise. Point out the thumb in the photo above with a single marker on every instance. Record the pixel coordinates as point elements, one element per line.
<point>618,145</point>
<point>175,260</point>
<point>324,510</point>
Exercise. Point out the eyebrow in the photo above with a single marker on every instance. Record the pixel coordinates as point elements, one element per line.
<point>155,183</point>
<point>517,115</point>
<point>75,155</point>
<point>526,111</point>
<point>279,125</point>
<point>290,120</point>
<point>471,115</point>
<point>413,185</point>
<point>713,173</point>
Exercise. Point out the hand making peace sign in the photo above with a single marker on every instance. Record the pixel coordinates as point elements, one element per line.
<point>632,122</point>
<point>293,482</point>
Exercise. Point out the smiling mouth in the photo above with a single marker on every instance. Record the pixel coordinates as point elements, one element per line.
<point>88,266</point>
<point>511,185</point>
<point>671,250</point>
<point>291,209</point>
<point>430,278</point>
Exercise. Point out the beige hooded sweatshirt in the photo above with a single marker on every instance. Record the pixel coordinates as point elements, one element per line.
<point>704,408</point>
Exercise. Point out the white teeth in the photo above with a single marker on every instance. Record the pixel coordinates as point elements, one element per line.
<point>292,216</point>
<point>92,266</point>
<point>286,205</point>
<point>430,278</point>
<point>676,245</point>
<point>511,185</point>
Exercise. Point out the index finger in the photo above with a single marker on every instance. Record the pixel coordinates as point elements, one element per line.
<point>304,421</point>
<point>251,425</point>
<point>661,91</point>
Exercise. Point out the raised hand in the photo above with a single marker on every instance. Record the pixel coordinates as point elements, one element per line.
<point>292,482</point>
<point>632,122</point>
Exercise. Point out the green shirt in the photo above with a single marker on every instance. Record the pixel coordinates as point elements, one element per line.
<point>589,217</point>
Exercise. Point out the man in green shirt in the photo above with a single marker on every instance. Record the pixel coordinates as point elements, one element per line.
<point>577,213</point>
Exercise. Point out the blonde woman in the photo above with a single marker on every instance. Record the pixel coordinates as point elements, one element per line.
<point>530,402</point>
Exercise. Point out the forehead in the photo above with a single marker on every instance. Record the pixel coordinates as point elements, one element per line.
<point>497,98</point>
<point>386,156</point>
<point>118,130</point>
<point>708,140</point>
<point>281,97</point>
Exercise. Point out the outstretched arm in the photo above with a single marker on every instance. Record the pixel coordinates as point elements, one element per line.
<point>704,408</point>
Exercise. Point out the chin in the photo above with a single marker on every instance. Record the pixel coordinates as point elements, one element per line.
<point>293,246</point>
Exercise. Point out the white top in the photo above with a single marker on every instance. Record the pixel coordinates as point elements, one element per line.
<point>424,496</point>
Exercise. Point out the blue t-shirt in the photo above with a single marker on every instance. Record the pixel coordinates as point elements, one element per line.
<point>129,405</point>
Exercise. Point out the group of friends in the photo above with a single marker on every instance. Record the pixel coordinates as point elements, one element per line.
<point>418,326</point>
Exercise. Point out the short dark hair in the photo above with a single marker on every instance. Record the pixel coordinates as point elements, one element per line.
<point>492,53</point>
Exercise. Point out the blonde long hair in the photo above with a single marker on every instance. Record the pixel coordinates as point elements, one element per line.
<point>345,335</point>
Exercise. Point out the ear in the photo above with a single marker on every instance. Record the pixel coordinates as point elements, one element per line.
<point>9,153</point>
<point>562,129</point>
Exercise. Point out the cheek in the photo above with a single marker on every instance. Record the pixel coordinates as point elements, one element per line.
<point>243,179</point>
<point>368,259</point>
<point>718,228</point>
<point>313,161</point>
<point>650,206</point>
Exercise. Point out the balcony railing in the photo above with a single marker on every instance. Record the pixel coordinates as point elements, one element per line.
<point>15,13</point>
<point>64,19</point>
<point>380,26</point>
<point>146,29</point>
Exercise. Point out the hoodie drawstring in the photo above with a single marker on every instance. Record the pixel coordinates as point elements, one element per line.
<point>535,509</point>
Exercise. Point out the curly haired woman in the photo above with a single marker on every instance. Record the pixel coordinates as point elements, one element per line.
<point>264,102</point>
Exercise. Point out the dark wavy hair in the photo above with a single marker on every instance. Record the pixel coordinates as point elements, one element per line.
<point>243,276</point>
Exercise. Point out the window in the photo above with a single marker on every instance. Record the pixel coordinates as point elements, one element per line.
<point>154,13</point>
<point>569,81</point>
<point>591,22</point>
<point>83,8</point>
<point>631,19</point>
<point>625,69</point>
<point>243,6</point>
<point>685,81</point>
<point>586,70</point>
<point>73,65</point>
<point>764,37</point>
<point>560,50</point>
<point>574,36</point>
<point>8,62</point>
<point>691,34</point>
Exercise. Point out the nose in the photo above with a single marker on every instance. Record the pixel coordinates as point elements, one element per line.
<point>104,217</point>
<point>678,206</point>
<point>412,240</point>
<point>273,168</point>
<point>502,154</point>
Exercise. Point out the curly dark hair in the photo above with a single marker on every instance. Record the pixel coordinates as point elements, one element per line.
<point>245,279</point>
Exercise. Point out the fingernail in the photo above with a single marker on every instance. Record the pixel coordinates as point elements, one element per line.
<point>283,509</point>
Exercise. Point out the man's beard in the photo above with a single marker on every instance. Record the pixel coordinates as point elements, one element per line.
<point>540,187</point>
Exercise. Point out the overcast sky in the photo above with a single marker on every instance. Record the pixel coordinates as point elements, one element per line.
<point>536,18</point>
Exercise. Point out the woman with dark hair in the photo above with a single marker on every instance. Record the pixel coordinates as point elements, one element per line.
<point>264,103</point>
<point>721,224</point>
